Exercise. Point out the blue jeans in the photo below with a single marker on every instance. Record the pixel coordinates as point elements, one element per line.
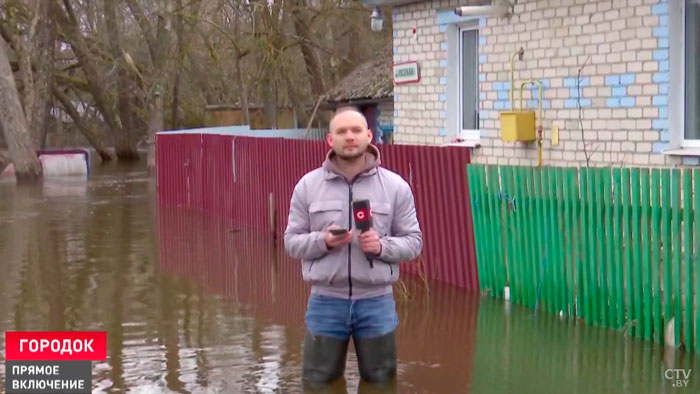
<point>339,317</point>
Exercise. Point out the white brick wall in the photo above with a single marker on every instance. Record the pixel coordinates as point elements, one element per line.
<point>386,113</point>
<point>617,40</point>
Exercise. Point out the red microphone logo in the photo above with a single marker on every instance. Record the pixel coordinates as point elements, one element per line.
<point>363,215</point>
<point>363,221</point>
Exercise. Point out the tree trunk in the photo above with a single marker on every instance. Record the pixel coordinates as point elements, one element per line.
<point>44,124</point>
<point>84,129</point>
<point>4,161</point>
<point>175,105</point>
<point>14,125</point>
<point>297,101</point>
<point>268,15</point>
<point>45,44</point>
<point>329,61</point>
<point>157,44</point>
<point>269,99</point>
<point>243,91</point>
<point>354,51</point>
<point>145,26</point>
<point>23,47</point>
<point>179,32</point>
<point>23,52</point>
<point>242,88</point>
<point>155,124</point>
<point>126,146</point>
<point>89,69</point>
<point>311,60</point>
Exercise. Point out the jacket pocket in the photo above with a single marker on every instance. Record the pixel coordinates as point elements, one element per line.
<point>381,217</point>
<point>324,213</point>
<point>381,273</point>
<point>326,270</point>
<point>393,270</point>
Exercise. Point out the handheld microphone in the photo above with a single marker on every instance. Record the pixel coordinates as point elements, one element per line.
<point>363,221</point>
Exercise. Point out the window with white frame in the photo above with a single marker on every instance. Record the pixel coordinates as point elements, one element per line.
<point>692,69</point>
<point>469,82</point>
<point>684,88</point>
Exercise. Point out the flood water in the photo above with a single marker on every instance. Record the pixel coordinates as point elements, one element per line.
<point>194,304</point>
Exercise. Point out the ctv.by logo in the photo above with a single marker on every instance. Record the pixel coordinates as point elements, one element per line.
<point>678,377</point>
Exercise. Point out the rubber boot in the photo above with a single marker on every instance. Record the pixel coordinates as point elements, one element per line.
<point>324,359</point>
<point>376,357</point>
<point>389,387</point>
<point>338,386</point>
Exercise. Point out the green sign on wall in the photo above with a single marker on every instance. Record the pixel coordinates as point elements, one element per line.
<point>406,72</point>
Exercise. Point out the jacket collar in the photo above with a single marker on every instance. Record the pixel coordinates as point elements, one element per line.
<point>372,161</point>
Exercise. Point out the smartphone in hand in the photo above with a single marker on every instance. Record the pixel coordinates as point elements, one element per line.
<point>338,231</point>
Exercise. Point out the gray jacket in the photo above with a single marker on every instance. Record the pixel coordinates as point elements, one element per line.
<point>324,197</point>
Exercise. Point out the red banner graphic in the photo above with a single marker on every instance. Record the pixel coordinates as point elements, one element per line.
<point>55,345</point>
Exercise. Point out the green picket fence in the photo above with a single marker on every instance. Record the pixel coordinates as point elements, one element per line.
<point>616,247</point>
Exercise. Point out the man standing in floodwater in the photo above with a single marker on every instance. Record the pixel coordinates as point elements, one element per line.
<point>351,272</point>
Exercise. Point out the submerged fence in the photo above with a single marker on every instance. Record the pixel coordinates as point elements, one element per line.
<point>617,247</point>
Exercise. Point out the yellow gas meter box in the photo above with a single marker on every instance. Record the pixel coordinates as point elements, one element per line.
<point>518,126</point>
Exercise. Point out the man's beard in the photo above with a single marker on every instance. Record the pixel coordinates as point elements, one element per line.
<point>351,157</point>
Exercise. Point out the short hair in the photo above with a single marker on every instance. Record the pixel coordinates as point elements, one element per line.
<point>346,108</point>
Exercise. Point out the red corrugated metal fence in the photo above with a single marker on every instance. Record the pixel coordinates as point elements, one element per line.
<point>234,176</point>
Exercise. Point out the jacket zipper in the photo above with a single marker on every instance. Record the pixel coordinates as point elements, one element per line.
<point>350,245</point>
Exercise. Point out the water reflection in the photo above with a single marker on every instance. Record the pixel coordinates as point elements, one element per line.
<point>65,187</point>
<point>254,274</point>
<point>194,304</point>
<point>516,348</point>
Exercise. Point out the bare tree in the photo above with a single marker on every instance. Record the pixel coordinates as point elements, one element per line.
<point>311,59</point>
<point>133,63</point>
<point>4,160</point>
<point>14,125</point>
<point>155,123</point>
<point>240,54</point>
<point>270,49</point>
<point>22,42</point>
<point>157,41</point>
<point>126,146</point>
<point>44,53</point>
<point>90,135</point>
<point>179,34</point>
<point>95,83</point>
